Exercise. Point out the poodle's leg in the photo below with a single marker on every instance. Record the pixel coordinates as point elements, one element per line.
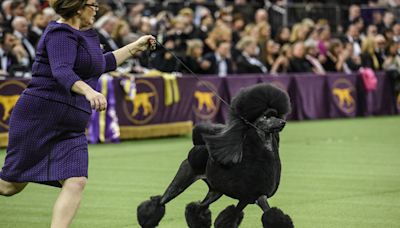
<point>210,198</point>
<point>273,217</point>
<point>182,180</point>
<point>231,217</point>
<point>197,214</point>
<point>263,203</point>
<point>150,212</point>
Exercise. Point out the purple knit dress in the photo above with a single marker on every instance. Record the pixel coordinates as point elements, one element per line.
<point>47,141</point>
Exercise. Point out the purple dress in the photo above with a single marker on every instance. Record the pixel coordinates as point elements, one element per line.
<point>47,141</point>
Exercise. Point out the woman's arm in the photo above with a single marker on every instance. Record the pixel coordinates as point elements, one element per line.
<point>142,44</point>
<point>96,99</point>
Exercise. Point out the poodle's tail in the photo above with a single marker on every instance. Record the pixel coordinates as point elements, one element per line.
<point>275,218</point>
<point>150,212</point>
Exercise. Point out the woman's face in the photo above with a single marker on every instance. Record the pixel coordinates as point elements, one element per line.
<point>285,34</point>
<point>88,12</point>
<point>198,51</point>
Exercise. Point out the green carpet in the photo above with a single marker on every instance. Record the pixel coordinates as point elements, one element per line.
<point>336,173</point>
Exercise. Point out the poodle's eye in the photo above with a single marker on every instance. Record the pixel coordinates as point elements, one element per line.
<point>269,114</point>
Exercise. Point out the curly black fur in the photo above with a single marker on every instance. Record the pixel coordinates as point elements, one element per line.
<point>275,218</point>
<point>197,216</point>
<point>229,218</point>
<point>150,212</point>
<point>239,159</point>
<point>252,101</point>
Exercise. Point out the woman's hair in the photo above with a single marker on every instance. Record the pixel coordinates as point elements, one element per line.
<point>116,33</point>
<point>192,44</point>
<point>368,45</point>
<point>67,8</point>
<point>333,45</point>
<point>244,42</point>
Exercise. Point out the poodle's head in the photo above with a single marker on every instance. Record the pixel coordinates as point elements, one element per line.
<point>263,105</point>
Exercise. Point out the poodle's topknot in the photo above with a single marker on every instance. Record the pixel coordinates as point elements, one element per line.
<point>252,101</point>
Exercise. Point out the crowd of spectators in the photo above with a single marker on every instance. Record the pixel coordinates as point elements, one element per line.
<point>216,37</point>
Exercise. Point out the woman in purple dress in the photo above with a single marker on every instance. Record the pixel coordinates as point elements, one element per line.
<point>47,142</point>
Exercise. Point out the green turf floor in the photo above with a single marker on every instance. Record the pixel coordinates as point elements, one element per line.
<point>336,173</point>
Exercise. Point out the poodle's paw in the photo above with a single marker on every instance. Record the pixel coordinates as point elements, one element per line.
<point>150,212</point>
<point>275,218</point>
<point>197,216</point>
<point>229,218</point>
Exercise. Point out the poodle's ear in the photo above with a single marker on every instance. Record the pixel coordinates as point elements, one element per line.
<point>226,147</point>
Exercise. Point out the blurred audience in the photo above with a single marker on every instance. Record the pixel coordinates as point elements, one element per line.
<point>220,37</point>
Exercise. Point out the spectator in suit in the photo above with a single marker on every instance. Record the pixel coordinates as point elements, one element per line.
<point>396,32</point>
<point>218,62</point>
<point>12,10</point>
<point>105,26</point>
<point>247,62</point>
<point>388,21</point>
<point>354,13</point>
<point>20,27</point>
<point>12,53</point>
<point>39,23</point>
<point>6,11</point>
<point>353,36</point>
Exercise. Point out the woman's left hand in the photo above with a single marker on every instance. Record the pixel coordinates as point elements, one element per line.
<point>146,42</point>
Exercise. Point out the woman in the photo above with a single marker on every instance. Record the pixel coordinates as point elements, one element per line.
<point>47,142</point>
<point>247,62</point>
<point>193,58</point>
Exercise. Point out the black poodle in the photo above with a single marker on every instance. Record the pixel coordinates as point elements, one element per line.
<point>239,159</point>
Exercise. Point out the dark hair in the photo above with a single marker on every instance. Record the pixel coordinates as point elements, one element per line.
<point>67,8</point>
<point>14,4</point>
<point>3,35</point>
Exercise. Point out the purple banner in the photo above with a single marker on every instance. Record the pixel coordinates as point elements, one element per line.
<point>342,95</point>
<point>10,90</point>
<point>281,81</point>
<point>166,100</point>
<point>146,106</point>
<point>311,98</point>
<point>378,102</point>
<point>205,104</point>
<point>233,85</point>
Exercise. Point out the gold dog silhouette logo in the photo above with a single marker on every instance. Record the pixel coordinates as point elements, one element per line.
<point>206,104</point>
<point>343,92</point>
<point>9,94</point>
<point>144,106</point>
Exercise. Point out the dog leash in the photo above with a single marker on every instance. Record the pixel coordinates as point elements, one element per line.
<point>206,85</point>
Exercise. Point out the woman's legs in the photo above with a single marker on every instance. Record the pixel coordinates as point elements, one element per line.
<point>68,202</point>
<point>10,188</point>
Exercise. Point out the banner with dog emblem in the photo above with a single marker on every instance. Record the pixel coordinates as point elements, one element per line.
<point>10,91</point>
<point>342,96</point>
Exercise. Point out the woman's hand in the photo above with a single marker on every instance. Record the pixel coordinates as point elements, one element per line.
<point>97,100</point>
<point>145,42</point>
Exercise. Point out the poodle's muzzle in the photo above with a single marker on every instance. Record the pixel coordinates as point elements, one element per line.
<point>270,124</point>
